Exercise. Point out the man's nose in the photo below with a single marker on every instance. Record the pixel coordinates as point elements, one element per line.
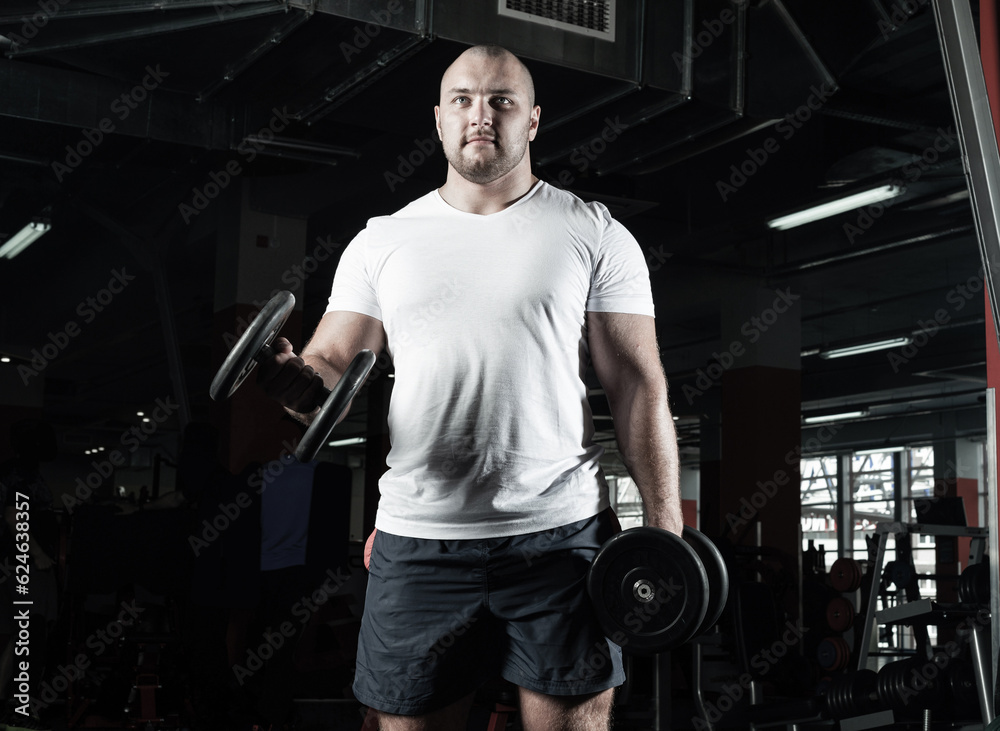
<point>482,113</point>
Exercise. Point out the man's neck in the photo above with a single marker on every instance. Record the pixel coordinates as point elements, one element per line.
<point>486,198</point>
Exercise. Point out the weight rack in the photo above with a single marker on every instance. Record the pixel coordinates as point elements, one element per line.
<point>920,612</point>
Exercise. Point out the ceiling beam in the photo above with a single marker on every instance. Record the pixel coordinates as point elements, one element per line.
<point>220,14</point>
<point>58,96</point>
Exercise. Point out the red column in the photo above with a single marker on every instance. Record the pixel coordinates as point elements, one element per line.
<point>990,54</point>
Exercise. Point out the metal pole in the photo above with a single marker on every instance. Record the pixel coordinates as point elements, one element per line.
<point>169,325</point>
<point>963,68</point>
<point>993,523</point>
<point>983,671</point>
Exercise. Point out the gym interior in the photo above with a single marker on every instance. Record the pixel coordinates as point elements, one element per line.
<point>168,166</point>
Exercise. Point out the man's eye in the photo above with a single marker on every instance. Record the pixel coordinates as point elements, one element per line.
<point>461,99</point>
<point>502,100</point>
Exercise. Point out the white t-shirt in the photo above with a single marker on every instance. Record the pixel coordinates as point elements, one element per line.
<point>484,317</point>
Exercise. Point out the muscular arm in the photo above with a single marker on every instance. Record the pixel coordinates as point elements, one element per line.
<point>627,361</point>
<point>296,381</point>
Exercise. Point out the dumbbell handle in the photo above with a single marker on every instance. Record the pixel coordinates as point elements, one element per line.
<point>266,352</point>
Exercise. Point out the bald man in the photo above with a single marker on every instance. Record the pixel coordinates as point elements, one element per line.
<point>490,294</point>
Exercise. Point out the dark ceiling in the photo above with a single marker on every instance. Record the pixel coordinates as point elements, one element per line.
<point>715,115</point>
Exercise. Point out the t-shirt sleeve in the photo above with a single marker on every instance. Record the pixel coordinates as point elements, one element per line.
<point>353,289</point>
<point>620,280</point>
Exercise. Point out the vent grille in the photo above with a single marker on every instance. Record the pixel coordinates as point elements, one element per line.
<point>595,18</point>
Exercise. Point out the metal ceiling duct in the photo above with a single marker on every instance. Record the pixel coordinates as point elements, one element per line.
<point>606,40</point>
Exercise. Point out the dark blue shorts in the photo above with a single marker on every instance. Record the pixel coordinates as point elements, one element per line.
<point>443,617</point>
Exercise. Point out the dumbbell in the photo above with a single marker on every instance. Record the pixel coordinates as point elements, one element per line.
<point>852,694</point>
<point>254,346</point>
<point>912,685</point>
<point>974,584</point>
<point>653,590</point>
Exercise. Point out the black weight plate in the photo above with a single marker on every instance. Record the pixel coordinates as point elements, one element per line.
<point>260,332</point>
<point>864,691</point>
<point>961,680</point>
<point>336,403</point>
<point>909,685</point>
<point>845,574</point>
<point>981,584</point>
<point>833,653</point>
<point>649,590</point>
<point>840,614</point>
<point>718,576</point>
<point>852,694</point>
<point>965,590</point>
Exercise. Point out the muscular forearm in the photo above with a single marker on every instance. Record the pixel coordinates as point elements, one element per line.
<point>648,443</point>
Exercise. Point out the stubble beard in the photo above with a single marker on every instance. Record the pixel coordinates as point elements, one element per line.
<point>486,169</point>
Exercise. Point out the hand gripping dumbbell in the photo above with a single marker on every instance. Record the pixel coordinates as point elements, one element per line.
<point>254,346</point>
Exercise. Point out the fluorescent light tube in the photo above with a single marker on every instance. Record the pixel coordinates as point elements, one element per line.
<point>866,347</point>
<point>347,442</point>
<point>832,208</point>
<point>23,239</point>
<point>879,450</point>
<point>834,417</point>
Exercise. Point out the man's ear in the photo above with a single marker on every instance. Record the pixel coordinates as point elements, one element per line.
<point>437,122</point>
<point>536,113</point>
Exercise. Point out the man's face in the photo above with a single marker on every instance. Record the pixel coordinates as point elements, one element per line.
<point>485,118</point>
